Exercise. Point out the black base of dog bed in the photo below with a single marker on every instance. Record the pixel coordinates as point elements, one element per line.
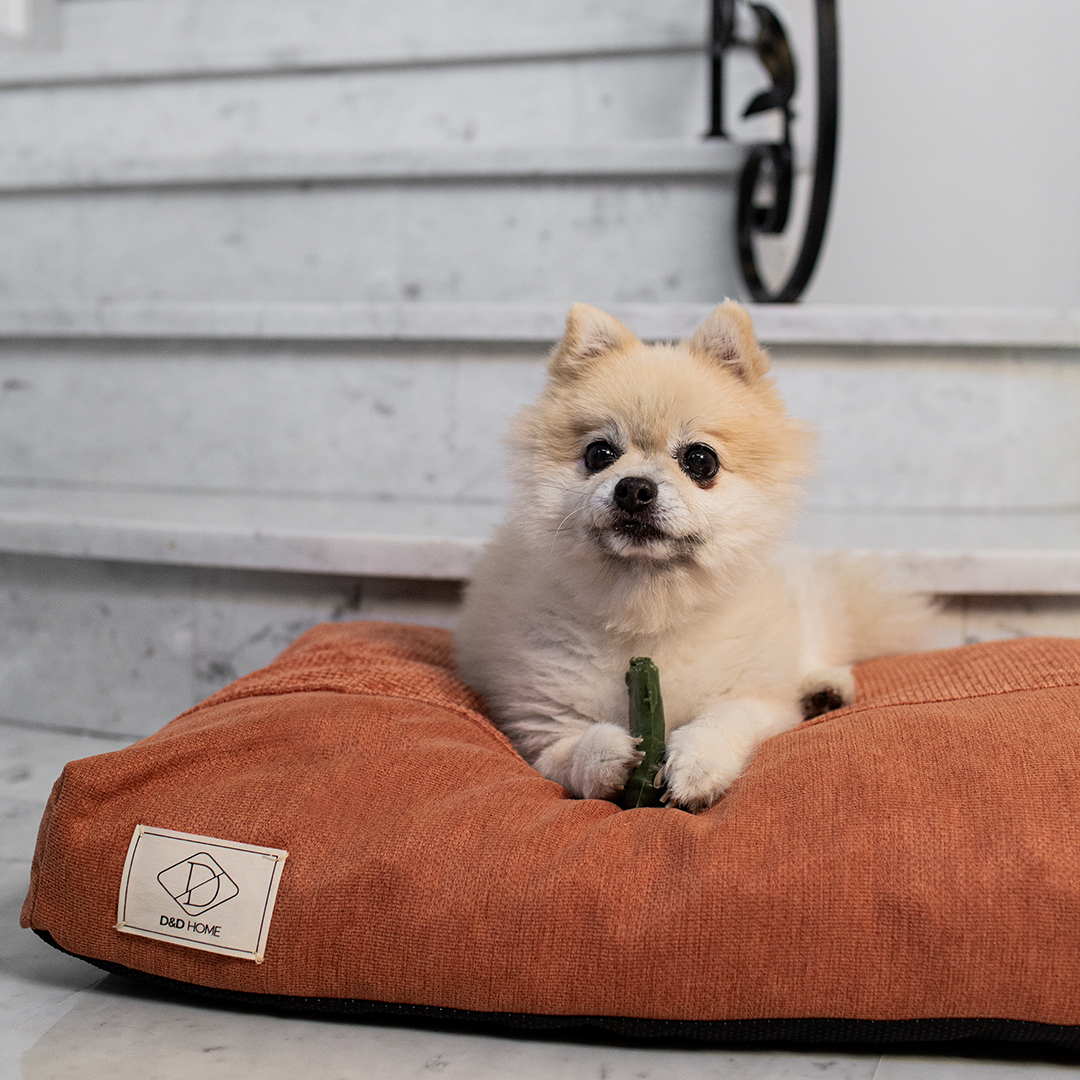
<point>997,1037</point>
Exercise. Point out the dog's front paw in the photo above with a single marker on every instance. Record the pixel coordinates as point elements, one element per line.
<point>602,761</point>
<point>698,768</point>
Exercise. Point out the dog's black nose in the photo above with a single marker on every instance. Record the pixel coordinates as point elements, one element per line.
<point>635,494</point>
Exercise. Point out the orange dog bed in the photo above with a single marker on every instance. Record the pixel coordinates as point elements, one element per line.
<point>906,868</point>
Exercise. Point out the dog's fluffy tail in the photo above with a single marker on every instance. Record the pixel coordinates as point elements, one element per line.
<point>850,612</point>
<point>883,620</point>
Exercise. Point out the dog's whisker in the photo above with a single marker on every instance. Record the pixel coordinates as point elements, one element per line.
<point>558,529</point>
<point>567,518</point>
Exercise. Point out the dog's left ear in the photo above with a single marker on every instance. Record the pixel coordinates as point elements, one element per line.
<point>727,336</point>
<point>590,333</point>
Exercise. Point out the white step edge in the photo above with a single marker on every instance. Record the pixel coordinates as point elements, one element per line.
<point>295,551</point>
<point>777,324</point>
<point>651,159</point>
<point>982,572</point>
<point>33,68</point>
<point>304,534</point>
<point>1006,553</point>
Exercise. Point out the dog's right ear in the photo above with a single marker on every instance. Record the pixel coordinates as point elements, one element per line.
<point>590,333</point>
<point>727,338</point>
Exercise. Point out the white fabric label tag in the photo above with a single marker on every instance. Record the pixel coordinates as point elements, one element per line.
<point>199,891</point>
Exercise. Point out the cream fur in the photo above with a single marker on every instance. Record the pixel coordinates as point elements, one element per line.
<point>568,592</point>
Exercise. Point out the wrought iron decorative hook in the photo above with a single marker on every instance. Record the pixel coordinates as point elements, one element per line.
<point>775,162</point>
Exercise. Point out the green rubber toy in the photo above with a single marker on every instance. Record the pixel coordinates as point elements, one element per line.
<point>647,724</point>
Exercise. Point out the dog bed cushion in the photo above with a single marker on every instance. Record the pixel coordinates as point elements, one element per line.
<point>905,868</point>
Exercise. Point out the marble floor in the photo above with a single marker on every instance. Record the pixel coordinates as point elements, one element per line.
<point>61,1018</point>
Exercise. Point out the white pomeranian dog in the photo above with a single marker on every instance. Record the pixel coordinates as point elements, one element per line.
<point>651,486</point>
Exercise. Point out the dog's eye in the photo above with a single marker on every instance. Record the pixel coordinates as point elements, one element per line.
<point>700,462</point>
<point>599,455</point>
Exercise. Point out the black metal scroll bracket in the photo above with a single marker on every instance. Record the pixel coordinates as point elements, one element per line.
<point>770,167</point>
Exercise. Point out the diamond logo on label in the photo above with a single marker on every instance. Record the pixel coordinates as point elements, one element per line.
<point>198,884</point>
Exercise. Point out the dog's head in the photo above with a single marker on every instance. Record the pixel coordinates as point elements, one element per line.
<point>659,456</point>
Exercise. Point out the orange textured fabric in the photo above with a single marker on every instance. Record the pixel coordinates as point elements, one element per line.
<point>915,855</point>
